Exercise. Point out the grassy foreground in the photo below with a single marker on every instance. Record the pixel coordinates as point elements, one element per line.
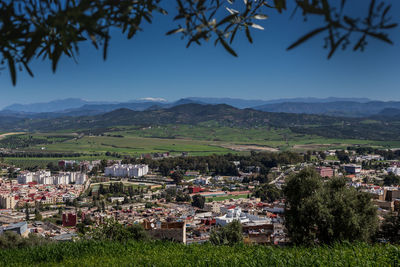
<point>172,254</point>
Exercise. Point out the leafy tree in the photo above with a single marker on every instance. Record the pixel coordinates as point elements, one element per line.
<point>390,229</point>
<point>343,156</point>
<point>318,212</point>
<point>230,234</point>
<point>94,171</point>
<point>391,179</point>
<point>87,221</point>
<point>268,192</point>
<point>181,197</point>
<point>38,216</point>
<point>177,176</point>
<point>198,201</point>
<point>137,232</point>
<point>26,212</point>
<point>112,230</point>
<point>10,240</point>
<point>53,28</point>
<point>102,191</point>
<point>81,228</point>
<point>103,206</point>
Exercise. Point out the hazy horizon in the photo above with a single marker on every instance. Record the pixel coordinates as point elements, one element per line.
<point>152,64</point>
<point>161,99</point>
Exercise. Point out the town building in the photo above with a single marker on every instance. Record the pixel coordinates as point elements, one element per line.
<point>21,228</point>
<point>7,202</point>
<point>325,171</point>
<point>69,219</point>
<point>126,170</point>
<point>244,218</point>
<point>352,169</point>
<point>394,169</point>
<point>45,177</point>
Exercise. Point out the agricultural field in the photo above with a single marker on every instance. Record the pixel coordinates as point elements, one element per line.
<point>254,138</point>
<point>174,254</point>
<point>133,145</point>
<point>221,198</point>
<point>196,140</point>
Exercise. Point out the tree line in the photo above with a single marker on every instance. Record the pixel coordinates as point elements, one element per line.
<point>227,164</point>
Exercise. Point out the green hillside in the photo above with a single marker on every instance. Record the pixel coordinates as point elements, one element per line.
<point>219,116</point>
<point>172,254</point>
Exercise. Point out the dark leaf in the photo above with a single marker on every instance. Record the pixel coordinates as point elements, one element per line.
<point>27,68</point>
<point>394,25</point>
<point>380,36</point>
<point>307,36</point>
<point>227,19</point>
<point>174,31</point>
<point>227,47</point>
<point>233,34</point>
<point>280,5</point>
<point>359,43</point>
<point>105,48</point>
<point>11,66</point>
<point>248,35</point>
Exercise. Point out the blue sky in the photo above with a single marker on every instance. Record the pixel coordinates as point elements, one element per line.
<point>154,65</point>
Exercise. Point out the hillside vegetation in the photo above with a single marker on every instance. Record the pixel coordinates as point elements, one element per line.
<point>218,116</point>
<point>172,254</point>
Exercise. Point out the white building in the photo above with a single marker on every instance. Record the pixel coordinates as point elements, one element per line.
<point>243,218</point>
<point>24,177</point>
<point>44,177</point>
<point>126,170</point>
<point>395,170</point>
<point>202,180</point>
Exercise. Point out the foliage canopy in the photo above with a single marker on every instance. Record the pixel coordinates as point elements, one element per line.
<point>326,212</point>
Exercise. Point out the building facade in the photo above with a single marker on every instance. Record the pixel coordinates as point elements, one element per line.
<point>126,170</point>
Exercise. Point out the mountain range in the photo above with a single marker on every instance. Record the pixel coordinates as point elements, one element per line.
<point>348,107</point>
<point>377,127</point>
<point>336,108</point>
<point>332,106</point>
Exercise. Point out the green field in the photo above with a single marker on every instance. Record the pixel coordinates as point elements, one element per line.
<point>196,140</point>
<point>134,145</point>
<point>173,254</point>
<point>210,199</point>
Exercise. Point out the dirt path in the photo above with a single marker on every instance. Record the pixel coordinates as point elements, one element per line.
<point>249,147</point>
<point>7,134</point>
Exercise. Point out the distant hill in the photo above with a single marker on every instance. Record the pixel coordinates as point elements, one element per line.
<point>389,112</point>
<point>215,116</point>
<point>337,108</point>
<point>244,103</point>
<point>52,106</point>
<point>79,107</point>
<point>182,114</point>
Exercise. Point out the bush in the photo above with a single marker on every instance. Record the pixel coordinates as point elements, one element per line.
<point>13,240</point>
<point>114,231</point>
<point>230,234</point>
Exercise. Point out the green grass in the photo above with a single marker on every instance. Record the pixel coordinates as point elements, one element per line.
<point>204,139</point>
<point>133,145</point>
<point>173,254</point>
<point>210,199</point>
